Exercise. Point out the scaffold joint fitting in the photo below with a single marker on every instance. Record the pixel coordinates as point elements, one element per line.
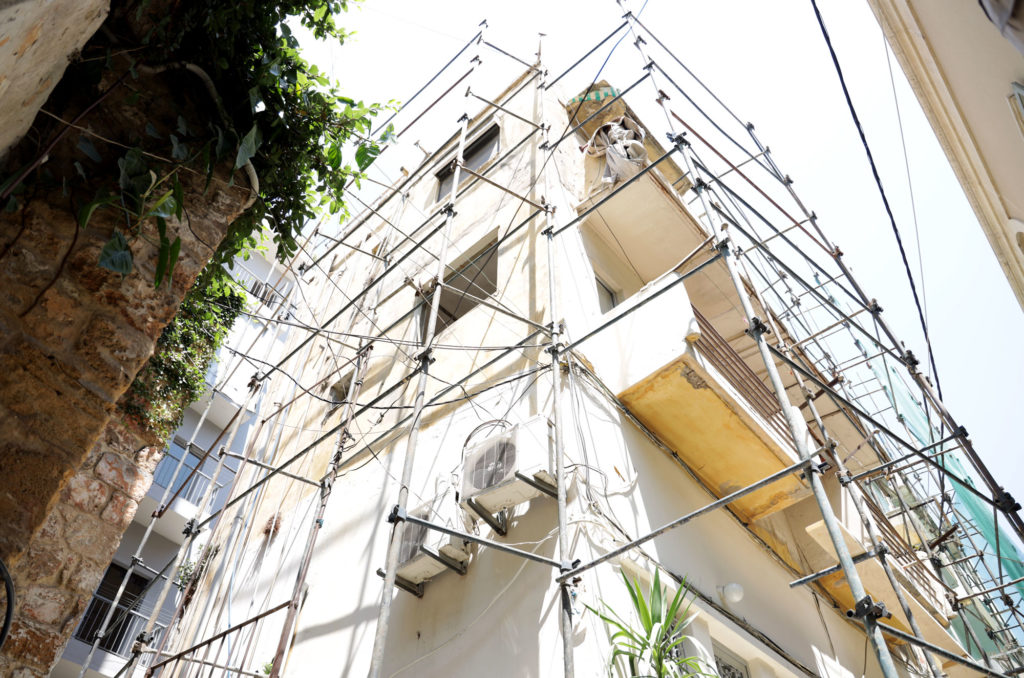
<point>397,515</point>
<point>874,308</point>
<point>449,210</point>
<point>961,432</point>
<point>1005,502</point>
<point>757,328</point>
<point>910,360</point>
<point>566,566</point>
<point>191,528</point>
<point>867,608</point>
<point>679,140</point>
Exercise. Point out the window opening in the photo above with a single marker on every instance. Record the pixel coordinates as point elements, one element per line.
<point>120,635</point>
<point>464,287</point>
<point>729,665</point>
<point>482,149</point>
<point>607,299</point>
<point>339,394</point>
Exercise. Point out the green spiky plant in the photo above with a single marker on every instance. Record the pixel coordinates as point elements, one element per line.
<point>651,648</point>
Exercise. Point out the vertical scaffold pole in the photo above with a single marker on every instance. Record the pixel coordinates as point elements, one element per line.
<point>398,527</point>
<point>565,615</point>
<point>756,329</point>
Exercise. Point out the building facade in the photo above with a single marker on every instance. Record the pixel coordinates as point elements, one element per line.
<point>422,425</point>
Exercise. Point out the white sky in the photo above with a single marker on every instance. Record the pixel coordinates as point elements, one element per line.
<point>769,63</point>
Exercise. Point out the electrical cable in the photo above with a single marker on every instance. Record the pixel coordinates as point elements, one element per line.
<point>9,603</point>
<point>881,191</point>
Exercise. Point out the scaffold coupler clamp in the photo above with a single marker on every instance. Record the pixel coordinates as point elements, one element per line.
<point>757,328</point>
<point>191,528</point>
<point>1005,501</point>
<point>142,641</point>
<point>137,562</point>
<point>449,208</point>
<point>961,432</point>
<point>815,468</point>
<point>678,140</point>
<point>867,608</point>
<point>874,308</point>
<point>844,477</point>
<point>565,567</point>
<point>911,361</point>
<point>397,515</point>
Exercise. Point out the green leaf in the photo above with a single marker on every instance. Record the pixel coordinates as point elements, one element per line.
<point>247,149</point>
<point>166,206</point>
<point>151,131</point>
<point>116,255</point>
<point>334,156</point>
<point>179,197</point>
<point>85,214</point>
<point>172,258</point>
<point>365,155</point>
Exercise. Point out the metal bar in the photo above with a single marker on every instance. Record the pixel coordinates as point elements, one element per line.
<point>397,532</point>
<point>641,303</point>
<point>499,524</point>
<point>502,109</point>
<point>401,108</point>
<point>434,102</point>
<point>797,429</point>
<point>825,329</point>
<point>499,186</point>
<point>727,499</point>
<point>268,467</point>
<point>867,555</point>
<point>230,669</point>
<point>498,546</point>
<point>510,56</point>
<point>945,654</point>
<point>990,590</point>
<point>494,307</point>
<point>217,637</point>
<point>539,486</point>
<point>583,58</point>
<point>879,425</point>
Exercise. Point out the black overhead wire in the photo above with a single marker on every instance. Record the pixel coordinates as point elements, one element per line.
<point>881,191</point>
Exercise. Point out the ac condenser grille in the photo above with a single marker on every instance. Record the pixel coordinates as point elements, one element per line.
<point>412,539</point>
<point>493,465</point>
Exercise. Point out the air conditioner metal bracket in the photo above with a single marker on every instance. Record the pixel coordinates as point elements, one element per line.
<point>404,584</point>
<point>539,485</point>
<point>499,522</point>
<point>450,563</point>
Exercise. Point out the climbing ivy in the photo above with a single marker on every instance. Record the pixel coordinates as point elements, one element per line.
<point>280,112</point>
<point>176,374</point>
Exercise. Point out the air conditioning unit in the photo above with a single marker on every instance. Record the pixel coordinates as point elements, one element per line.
<point>509,468</point>
<point>425,553</point>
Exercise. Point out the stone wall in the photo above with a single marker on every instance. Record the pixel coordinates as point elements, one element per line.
<point>72,337</point>
<point>67,557</point>
<point>37,38</point>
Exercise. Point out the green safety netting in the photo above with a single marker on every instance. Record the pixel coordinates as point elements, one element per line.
<point>913,415</point>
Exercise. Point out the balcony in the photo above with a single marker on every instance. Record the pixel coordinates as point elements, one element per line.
<point>683,379</point>
<point>187,488</point>
<point>133,615</point>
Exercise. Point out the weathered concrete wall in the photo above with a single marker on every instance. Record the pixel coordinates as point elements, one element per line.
<point>37,38</point>
<point>66,558</point>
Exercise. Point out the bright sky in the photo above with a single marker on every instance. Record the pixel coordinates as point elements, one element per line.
<point>769,63</point>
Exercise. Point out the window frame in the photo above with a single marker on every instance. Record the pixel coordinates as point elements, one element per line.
<point>490,137</point>
<point>485,247</point>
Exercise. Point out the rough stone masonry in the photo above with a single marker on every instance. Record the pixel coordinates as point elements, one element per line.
<point>72,337</point>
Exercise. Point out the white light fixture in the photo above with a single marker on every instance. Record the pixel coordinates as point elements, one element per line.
<point>731,593</point>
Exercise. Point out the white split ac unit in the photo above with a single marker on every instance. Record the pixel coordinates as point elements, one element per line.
<point>425,553</point>
<point>509,468</point>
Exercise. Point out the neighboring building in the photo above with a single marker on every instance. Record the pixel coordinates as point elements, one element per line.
<point>664,410</point>
<point>183,486</point>
<point>970,82</point>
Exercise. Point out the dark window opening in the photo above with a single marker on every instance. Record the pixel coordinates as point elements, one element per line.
<point>606,297</point>
<point>464,288</point>
<point>482,149</point>
<point>128,620</point>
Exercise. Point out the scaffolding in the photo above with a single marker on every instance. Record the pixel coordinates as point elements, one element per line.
<point>814,358</point>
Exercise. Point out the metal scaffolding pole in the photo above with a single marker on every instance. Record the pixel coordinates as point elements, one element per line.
<point>866,609</point>
<point>398,529</point>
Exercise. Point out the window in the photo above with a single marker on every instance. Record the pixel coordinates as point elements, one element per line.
<point>728,665</point>
<point>463,288</point>
<point>338,395</point>
<point>120,635</point>
<point>606,297</point>
<point>482,149</point>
